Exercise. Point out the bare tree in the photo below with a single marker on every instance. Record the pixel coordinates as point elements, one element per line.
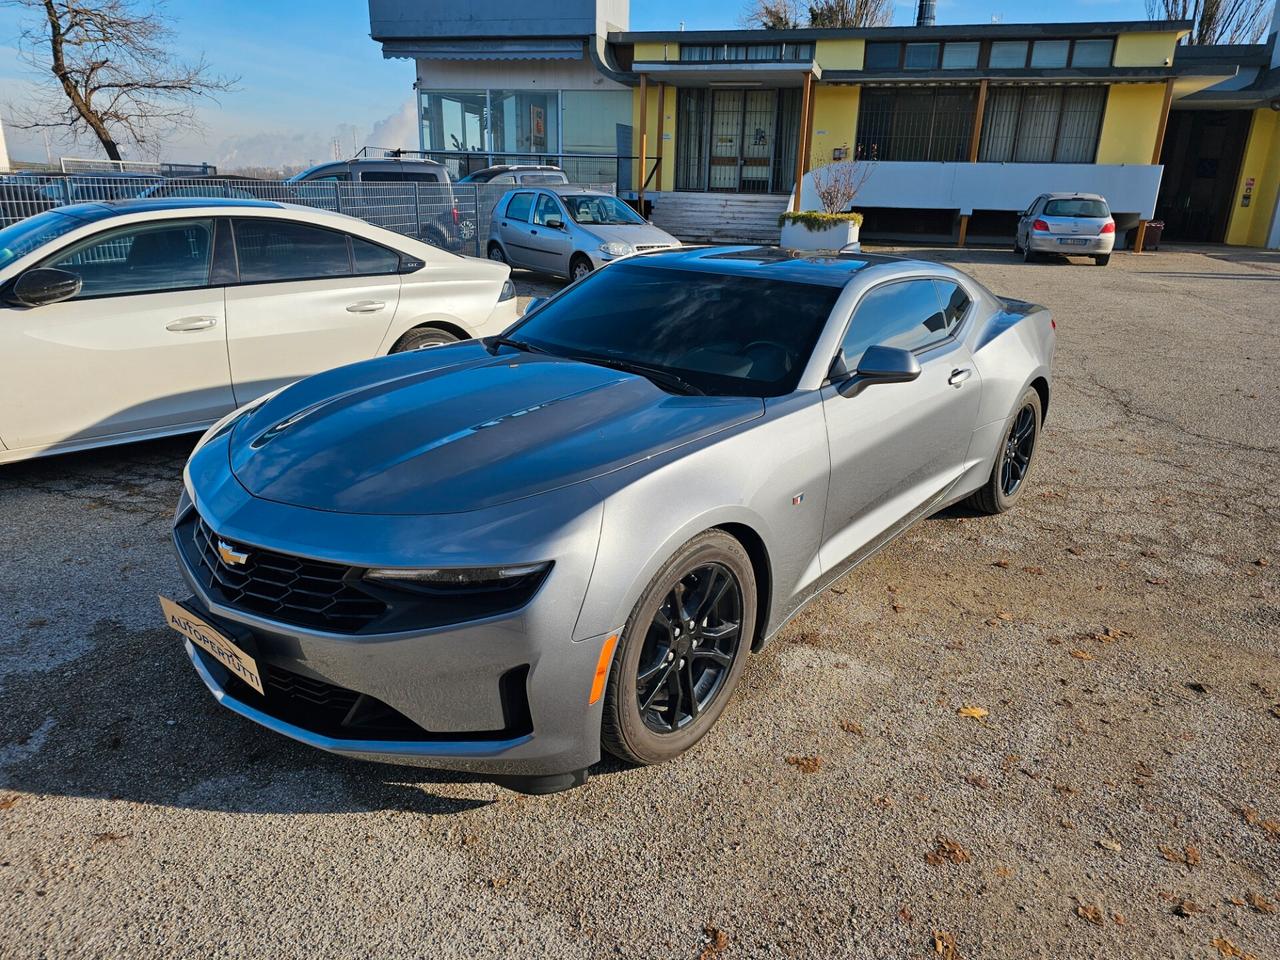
<point>786,14</point>
<point>113,72</point>
<point>837,184</point>
<point>1216,21</point>
<point>851,13</point>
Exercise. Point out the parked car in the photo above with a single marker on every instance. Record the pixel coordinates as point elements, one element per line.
<point>568,231</point>
<point>519,549</point>
<point>522,174</point>
<point>433,214</point>
<point>1073,224</point>
<point>226,186</point>
<point>125,321</point>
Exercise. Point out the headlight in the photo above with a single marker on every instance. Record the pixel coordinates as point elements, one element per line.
<point>460,578</point>
<point>508,291</point>
<point>229,421</point>
<point>616,248</point>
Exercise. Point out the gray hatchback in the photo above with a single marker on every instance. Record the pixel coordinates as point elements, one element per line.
<point>568,231</point>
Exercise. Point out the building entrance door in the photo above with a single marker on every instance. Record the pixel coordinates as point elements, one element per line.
<point>1201,156</point>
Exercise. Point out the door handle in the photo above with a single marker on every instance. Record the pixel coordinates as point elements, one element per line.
<point>534,232</point>
<point>959,376</point>
<point>189,324</point>
<point>366,306</point>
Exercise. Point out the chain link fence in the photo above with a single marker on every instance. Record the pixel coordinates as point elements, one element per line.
<point>453,216</point>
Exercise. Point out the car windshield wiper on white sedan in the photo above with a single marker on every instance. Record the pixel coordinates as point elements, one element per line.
<point>659,374</point>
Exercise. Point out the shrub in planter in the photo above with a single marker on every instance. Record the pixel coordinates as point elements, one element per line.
<point>834,226</point>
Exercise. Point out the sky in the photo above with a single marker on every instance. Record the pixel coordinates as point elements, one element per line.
<point>310,75</point>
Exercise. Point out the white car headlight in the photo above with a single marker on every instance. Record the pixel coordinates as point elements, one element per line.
<point>616,248</point>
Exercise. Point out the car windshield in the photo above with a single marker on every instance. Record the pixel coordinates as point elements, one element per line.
<point>724,335</point>
<point>585,208</point>
<point>1076,207</point>
<point>19,239</point>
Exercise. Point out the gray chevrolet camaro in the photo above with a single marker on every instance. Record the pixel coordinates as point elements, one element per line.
<point>498,556</point>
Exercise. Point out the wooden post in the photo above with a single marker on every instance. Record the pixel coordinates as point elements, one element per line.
<point>662,128</point>
<point>975,142</point>
<point>644,140</point>
<point>802,143</point>
<point>1141,238</point>
<point>808,121</point>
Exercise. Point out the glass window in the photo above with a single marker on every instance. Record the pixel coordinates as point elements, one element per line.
<point>955,303</point>
<point>960,56</point>
<point>401,176</point>
<point>19,239</point>
<point>524,121</point>
<point>283,250</point>
<point>370,258</point>
<point>1076,207</point>
<point>1042,124</point>
<point>518,207</point>
<point>1049,53</point>
<point>764,51</point>
<point>546,209</point>
<point>500,178</point>
<point>921,56</point>
<point>591,208</point>
<point>916,123</point>
<point>143,258</point>
<point>453,120</point>
<point>597,121</point>
<point>882,56</point>
<point>797,51</point>
<point>718,332</point>
<point>1092,53</point>
<point>907,315</point>
<point>735,51</point>
<point>1008,54</point>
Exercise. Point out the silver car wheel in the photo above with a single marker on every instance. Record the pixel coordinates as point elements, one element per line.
<point>580,269</point>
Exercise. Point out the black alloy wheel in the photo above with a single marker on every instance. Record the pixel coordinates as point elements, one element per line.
<point>1017,451</point>
<point>1013,462</point>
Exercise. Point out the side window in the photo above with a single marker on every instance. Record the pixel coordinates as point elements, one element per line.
<point>283,250</point>
<point>330,178</point>
<point>164,255</point>
<point>504,178</point>
<point>547,209</point>
<point>519,206</point>
<point>370,258</point>
<point>955,303</point>
<point>906,314</point>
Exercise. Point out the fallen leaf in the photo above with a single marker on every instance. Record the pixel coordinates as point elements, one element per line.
<point>1002,564</point>
<point>1260,903</point>
<point>1082,655</point>
<point>1091,913</point>
<point>805,764</point>
<point>1003,871</point>
<point>1262,562</point>
<point>1228,949</point>
<point>976,713</point>
<point>1158,581</point>
<point>108,837</point>
<point>1249,814</point>
<point>904,914</point>
<point>1034,571</point>
<point>944,945</point>
<point>849,726</point>
<point>715,940</point>
<point>1075,551</point>
<point>1004,615</point>
<point>898,608</point>
<point>1064,789</point>
<point>7,803</point>
<point>1271,828</point>
<point>1119,918</point>
<point>947,851</point>
<point>1192,856</point>
<point>1106,843</point>
<point>1185,908</point>
<point>977,780</point>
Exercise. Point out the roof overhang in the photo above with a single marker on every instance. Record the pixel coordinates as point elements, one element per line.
<point>553,48</point>
<point>719,74</point>
<point>977,31</point>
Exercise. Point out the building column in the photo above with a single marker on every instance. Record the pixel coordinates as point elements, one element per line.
<point>662,129</point>
<point>1155,155</point>
<point>644,140</point>
<point>804,139</point>
<point>975,142</point>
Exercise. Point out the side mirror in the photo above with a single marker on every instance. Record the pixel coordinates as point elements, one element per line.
<point>533,305</point>
<point>555,223</point>
<point>45,285</point>
<point>880,365</point>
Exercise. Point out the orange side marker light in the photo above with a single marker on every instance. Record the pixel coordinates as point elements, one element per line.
<point>602,668</point>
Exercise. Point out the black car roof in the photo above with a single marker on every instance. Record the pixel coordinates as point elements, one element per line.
<point>829,270</point>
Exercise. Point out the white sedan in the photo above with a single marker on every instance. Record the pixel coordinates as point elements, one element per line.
<point>127,321</point>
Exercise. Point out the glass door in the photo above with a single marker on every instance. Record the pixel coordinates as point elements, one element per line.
<point>726,139</point>
<point>759,126</point>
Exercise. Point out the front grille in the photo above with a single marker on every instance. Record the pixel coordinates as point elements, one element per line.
<point>642,247</point>
<point>294,590</point>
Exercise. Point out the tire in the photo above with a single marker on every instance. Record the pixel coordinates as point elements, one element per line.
<point>579,267</point>
<point>1028,256</point>
<point>1102,260</point>
<point>1016,247</point>
<point>996,496</point>
<point>496,253</point>
<point>661,732</point>
<point>435,238</point>
<point>423,337</point>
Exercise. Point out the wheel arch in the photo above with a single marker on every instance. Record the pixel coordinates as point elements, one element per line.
<point>1041,386</point>
<point>422,323</point>
<point>761,567</point>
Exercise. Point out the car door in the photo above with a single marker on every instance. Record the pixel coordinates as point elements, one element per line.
<point>1024,222</point>
<point>551,245</point>
<point>303,303</point>
<point>142,347</point>
<point>513,229</point>
<point>897,447</point>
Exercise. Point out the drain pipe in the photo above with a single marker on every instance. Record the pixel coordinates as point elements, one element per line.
<point>925,13</point>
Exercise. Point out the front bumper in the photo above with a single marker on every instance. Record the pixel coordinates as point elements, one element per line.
<point>1078,247</point>
<point>506,696</point>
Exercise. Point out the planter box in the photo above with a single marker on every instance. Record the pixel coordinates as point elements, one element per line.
<point>798,237</point>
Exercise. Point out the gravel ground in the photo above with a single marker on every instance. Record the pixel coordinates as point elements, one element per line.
<point>1116,797</point>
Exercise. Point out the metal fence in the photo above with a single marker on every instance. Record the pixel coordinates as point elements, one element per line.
<point>454,216</point>
<point>616,169</point>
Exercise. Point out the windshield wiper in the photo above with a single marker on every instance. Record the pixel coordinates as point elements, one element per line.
<point>493,343</point>
<point>658,374</point>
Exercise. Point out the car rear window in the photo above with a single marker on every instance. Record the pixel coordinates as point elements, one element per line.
<point>727,335</point>
<point>1076,208</point>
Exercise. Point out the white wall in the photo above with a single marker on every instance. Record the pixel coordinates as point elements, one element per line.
<point>4,152</point>
<point>548,75</point>
<point>1129,188</point>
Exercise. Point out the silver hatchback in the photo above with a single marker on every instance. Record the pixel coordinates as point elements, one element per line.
<point>1070,224</point>
<point>568,231</point>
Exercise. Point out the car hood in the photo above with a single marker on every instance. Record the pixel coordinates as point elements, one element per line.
<point>453,429</point>
<point>633,233</point>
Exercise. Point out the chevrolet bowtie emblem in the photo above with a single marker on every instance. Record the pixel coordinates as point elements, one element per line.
<point>230,555</point>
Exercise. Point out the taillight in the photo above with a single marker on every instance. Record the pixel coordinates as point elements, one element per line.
<point>457,217</point>
<point>1108,227</point>
<point>1040,225</point>
<point>1053,323</point>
